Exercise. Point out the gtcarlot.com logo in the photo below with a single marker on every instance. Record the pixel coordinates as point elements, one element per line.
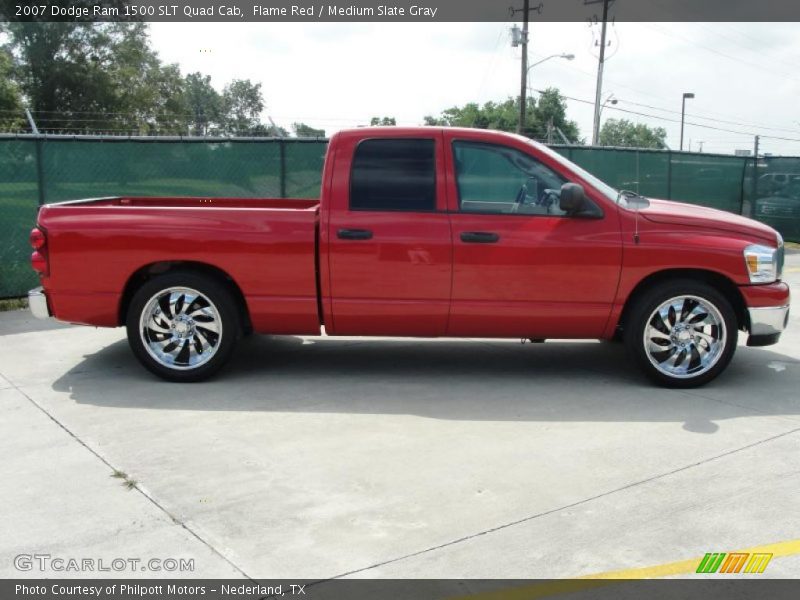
<point>734,562</point>
<point>59,564</point>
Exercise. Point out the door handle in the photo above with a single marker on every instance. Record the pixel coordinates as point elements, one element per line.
<point>354,234</point>
<point>479,237</point>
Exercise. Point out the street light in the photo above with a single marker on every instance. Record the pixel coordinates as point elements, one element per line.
<point>686,95</point>
<point>564,56</point>
<point>525,79</point>
<point>609,100</point>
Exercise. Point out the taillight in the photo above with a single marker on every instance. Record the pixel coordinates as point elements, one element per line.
<point>39,263</point>
<point>39,257</point>
<point>38,239</point>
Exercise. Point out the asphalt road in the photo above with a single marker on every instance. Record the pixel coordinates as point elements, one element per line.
<point>315,458</point>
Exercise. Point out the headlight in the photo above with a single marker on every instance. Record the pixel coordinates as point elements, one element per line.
<point>762,263</point>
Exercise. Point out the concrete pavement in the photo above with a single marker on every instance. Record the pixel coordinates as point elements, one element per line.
<point>314,458</point>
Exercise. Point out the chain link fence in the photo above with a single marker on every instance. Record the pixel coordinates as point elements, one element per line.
<point>41,169</point>
<point>767,190</point>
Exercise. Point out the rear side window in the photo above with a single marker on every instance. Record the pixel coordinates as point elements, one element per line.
<point>393,174</point>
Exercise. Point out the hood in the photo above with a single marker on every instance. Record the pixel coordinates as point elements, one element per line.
<point>680,213</point>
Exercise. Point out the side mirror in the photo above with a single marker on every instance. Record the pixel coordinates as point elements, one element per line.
<point>573,198</point>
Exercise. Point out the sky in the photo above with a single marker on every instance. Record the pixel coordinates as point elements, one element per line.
<point>339,75</point>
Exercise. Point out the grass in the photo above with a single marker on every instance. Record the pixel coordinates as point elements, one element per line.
<point>13,304</point>
<point>126,480</point>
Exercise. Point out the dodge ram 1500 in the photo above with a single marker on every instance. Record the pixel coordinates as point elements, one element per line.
<point>418,232</point>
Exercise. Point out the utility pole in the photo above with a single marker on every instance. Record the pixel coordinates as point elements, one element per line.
<point>754,193</point>
<point>686,95</point>
<point>523,84</point>
<point>599,90</point>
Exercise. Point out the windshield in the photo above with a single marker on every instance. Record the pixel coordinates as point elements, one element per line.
<point>602,187</point>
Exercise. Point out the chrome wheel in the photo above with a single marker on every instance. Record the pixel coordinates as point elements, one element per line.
<point>180,328</point>
<point>685,337</point>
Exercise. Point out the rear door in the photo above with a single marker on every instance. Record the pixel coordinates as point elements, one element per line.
<point>388,236</point>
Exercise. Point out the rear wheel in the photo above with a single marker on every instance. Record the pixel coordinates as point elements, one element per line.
<point>183,326</point>
<point>682,333</point>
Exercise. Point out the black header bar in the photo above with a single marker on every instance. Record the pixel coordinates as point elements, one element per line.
<point>425,11</point>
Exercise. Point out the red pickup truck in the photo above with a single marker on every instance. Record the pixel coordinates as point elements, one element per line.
<point>419,232</point>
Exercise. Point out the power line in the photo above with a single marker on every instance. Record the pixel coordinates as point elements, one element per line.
<point>738,43</point>
<point>641,114</point>
<point>697,116</point>
<point>723,54</point>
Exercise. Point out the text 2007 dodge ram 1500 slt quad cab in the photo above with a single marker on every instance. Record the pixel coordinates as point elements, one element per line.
<point>419,232</point>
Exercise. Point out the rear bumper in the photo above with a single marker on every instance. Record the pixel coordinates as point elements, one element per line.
<point>37,301</point>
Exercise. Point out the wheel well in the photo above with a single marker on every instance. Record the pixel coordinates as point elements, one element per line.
<point>147,272</point>
<point>721,283</point>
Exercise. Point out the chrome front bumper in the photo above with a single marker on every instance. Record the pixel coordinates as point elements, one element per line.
<point>37,301</point>
<point>768,321</point>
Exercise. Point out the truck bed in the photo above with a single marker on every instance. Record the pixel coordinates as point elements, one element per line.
<point>267,246</point>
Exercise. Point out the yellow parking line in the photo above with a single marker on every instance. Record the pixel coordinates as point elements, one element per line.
<point>689,566</point>
<point>585,582</point>
<point>792,270</point>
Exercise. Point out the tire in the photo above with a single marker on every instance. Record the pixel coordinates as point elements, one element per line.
<point>682,333</point>
<point>183,325</point>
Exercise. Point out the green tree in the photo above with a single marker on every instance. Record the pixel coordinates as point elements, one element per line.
<point>11,111</point>
<point>382,121</point>
<point>303,130</point>
<point>492,115</point>
<point>545,114</point>
<point>242,104</point>
<point>172,113</point>
<point>549,113</point>
<point>204,103</point>
<point>621,132</point>
<point>95,76</point>
<point>149,96</point>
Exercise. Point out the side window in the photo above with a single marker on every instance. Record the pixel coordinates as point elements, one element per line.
<point>393,174</point>
<point>501,180</point>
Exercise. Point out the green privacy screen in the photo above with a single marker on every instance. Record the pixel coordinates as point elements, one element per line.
<point>85,169</point>
<point>52,168</point>
<point>708,179</point>
<point>19,199</point>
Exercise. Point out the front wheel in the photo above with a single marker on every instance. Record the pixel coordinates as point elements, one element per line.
<point>682,333</point>
<point>183,326</point>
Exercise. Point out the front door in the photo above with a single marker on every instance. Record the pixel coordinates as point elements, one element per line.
<point>521,266</point>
